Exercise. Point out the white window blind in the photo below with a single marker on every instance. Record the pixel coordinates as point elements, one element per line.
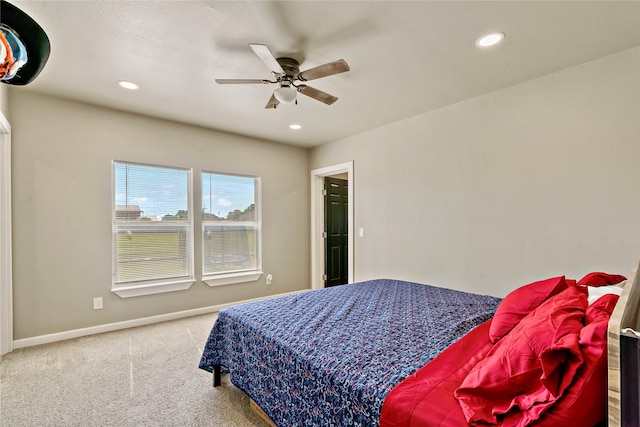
<point>230,224</point>
<point>152,225</point>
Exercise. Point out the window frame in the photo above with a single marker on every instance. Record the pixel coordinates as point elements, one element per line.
<point>152,286</point>
<point>241,276</point>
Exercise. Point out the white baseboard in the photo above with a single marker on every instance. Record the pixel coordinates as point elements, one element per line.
<point>109,327</point>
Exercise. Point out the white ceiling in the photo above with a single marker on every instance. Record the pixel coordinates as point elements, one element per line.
<point>406,58</point>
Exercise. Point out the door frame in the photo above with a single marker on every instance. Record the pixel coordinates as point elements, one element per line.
<point>317,222</point>
<point>6,277</point>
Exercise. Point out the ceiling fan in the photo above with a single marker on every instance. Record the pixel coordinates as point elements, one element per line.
<point>290,80</point>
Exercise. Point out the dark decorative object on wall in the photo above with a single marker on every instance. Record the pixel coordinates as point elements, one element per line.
<point>24,46</point>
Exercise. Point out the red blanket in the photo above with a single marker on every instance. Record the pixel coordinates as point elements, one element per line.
<point>426,397</point>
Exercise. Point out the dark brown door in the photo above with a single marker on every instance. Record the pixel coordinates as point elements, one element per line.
<point>336,229</point>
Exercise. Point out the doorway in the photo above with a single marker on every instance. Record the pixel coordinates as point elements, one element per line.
<point>317,221</point>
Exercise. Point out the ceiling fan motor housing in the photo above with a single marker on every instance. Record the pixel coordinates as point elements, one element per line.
<point>291,68</point>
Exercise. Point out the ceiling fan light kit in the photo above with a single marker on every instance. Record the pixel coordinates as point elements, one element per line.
<point>287,74</point>
<point>285,94</point>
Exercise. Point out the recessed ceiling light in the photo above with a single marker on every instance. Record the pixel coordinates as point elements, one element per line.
<point>128,85</point>
<point>295,127</point>
<point>490,39</point>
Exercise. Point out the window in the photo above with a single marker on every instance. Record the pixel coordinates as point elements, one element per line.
<point>152,229</point>
<point>230,228</point>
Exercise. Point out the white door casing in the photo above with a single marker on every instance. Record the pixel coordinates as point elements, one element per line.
<point>317,221</point>
<point>6,283</point>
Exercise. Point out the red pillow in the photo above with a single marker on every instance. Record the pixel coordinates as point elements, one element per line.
<point>601,279</point>
<point>530,368</point>
<point>521,302</point>
<point>585,401</point>
<point>605,304</point>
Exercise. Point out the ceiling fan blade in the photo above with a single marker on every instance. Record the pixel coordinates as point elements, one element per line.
<point>273,102</point>
<point>241,81</point>
<point>317,94</point>
<point>329,69</point>
<point>267,57</point>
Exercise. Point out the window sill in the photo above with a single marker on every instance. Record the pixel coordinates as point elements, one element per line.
<point>231,278</point>
<point>152,288</point>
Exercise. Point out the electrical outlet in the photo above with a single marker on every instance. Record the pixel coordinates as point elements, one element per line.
<point>269,279</point>
<point>97,303</point>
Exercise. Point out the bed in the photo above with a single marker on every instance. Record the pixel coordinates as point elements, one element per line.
<point>395,353</point>
<point>329,357</point>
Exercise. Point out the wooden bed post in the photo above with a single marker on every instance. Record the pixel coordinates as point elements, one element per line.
<point>625,315</point>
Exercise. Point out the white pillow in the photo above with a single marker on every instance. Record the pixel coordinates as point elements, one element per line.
<point>596,292</point>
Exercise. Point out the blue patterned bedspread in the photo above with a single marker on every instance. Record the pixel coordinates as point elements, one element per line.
<point>329,357</point>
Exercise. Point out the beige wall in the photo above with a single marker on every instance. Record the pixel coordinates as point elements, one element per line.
<point>62,153</point>
<point>536,180</point>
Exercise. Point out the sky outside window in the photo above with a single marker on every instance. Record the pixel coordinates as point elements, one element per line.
<point>157,191</point>
<point>222,194</point>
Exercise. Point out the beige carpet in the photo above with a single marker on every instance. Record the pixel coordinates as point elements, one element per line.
<point>146,376</point>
